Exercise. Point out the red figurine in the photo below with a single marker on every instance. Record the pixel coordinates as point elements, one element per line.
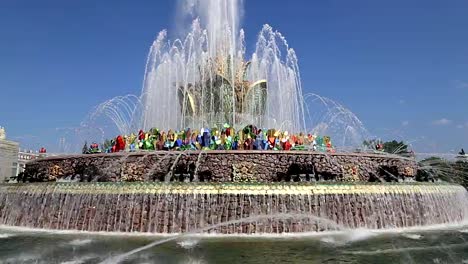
<point>141,135</point>
<point>119,144</point>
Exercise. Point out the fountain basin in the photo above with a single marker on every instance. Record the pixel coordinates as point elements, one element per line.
<point>229,208</point>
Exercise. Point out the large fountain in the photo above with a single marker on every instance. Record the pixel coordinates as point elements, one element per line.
<point>207,79</point>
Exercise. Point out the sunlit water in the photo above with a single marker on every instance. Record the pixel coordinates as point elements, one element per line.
<point>449,245</point>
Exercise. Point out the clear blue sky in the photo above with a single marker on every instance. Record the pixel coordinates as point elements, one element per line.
<point>401,66</point>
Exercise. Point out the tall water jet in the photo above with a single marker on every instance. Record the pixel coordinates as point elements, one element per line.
<point>206,78</point>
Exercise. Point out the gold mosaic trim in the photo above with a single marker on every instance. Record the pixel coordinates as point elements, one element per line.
<point>229,188</point>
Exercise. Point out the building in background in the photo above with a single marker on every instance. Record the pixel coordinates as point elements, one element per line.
<point>8,157</point>
<point>24,156</point>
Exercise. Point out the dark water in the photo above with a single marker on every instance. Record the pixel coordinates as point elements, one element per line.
<point>429,246</point>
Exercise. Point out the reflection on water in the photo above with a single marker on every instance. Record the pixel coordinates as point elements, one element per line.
<point>430,246</point>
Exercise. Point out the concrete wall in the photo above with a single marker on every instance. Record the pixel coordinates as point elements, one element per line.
<point>222,166</point>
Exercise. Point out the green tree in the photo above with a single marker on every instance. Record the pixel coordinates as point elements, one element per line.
<point>85,149</point>
<point>438,168</point>
<point>395,147</point>
<point>392,147</point>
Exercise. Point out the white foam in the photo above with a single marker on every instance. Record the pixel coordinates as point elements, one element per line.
<point>79,260</point>
<point>405,249</point>
<point>348,237</point>
<point>359,235</point>
<point>21,258</point>
<point>6,235</point>
<point>192,260</point>
<point>328,240</point>
<point>80,242</point>
<point>413,236</point>
<point>461,226</point>
<point>188,243</point>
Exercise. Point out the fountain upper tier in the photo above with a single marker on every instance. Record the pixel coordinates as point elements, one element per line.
<point>206,78</point>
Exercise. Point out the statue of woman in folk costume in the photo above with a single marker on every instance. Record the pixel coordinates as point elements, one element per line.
<point>199,140</point>
<point>178,140</point>
<point>111,149</point>
<point>148,141</point>
<point>193,143</point>
<point>155,139</point>
<point>187,137</point>
<point>284,140</point>
<point>250,130</point>
<point>240,140</point>
<point>131,142</point>
<point>169,140</point>
<point>271,137</point>
<point>141,135</point>
<point>228,144</point>
<point>119,144</point>
<point>308,140</point>
<point>300,139</point>
<point>205,138</point>
<point>328,144</point>
<point>278,140</point>
<point>222,140</point>
<point>313,142</point>
<point>320,143</point>
<point>248,143</point>
<point>162,140</point>
<point>235,143</point>
<point>158,144</point>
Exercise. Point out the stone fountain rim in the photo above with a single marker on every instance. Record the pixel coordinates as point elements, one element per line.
<point>227,152</point>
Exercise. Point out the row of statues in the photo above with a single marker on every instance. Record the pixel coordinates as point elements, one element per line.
<point>225,138</point>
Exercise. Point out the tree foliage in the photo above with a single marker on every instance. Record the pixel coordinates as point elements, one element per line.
<point>450,171</point>
<point>392,147</point>
<point>84,150</point>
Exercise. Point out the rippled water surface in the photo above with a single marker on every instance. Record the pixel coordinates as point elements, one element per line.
<point>429,246</point>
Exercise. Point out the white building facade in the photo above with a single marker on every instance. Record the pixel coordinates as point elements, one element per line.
<point>8,157</point>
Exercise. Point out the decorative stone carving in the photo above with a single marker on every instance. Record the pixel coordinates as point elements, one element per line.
<point>132,172</point>
<point>244,172</point>
<point>408,172</point>
<point>350,172</point>
<point>56,170</point>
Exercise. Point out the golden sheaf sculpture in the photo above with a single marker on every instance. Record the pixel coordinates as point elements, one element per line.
<point>208,94</point>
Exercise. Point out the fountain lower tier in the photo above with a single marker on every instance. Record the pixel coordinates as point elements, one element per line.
<point>229,208</point>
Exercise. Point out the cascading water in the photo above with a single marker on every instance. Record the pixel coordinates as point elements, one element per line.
<point>206,78</point>
<point>184,208</point>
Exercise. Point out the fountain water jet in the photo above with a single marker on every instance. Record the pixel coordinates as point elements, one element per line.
<point>331,118</point>
<point>206,79</point>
